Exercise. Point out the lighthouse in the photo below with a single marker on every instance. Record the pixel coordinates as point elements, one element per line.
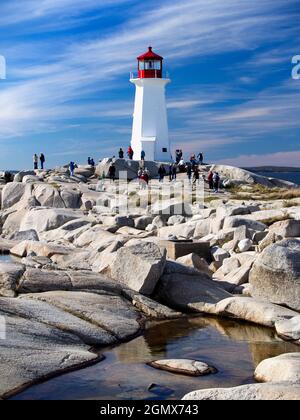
<point>150,124</point>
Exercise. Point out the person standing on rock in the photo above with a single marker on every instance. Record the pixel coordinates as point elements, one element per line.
<point>121,153</point>
<point>72,168</point>
<point>201,158</point>
<point>143,155</point>
<point>162,173</point>
<point>174,172</point>
<point>189,172</point>
<point>42,160</point>
<point>196,176</point>
<point>35,161</point>
<point>130,153</point>
<point>112,172</point>
<point>210,180</point>
<point>216,181</point>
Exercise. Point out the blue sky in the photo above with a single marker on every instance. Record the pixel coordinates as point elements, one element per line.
<point>67,91</point>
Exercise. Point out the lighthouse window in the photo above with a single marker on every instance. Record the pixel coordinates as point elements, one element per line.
<point>165,150</point>
<point>152,65</point>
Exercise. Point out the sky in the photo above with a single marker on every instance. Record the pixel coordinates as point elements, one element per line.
<point>67,91</point>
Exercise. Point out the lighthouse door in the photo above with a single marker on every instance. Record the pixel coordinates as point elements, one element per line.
<point>148,145</point>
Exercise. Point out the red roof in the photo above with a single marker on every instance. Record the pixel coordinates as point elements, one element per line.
<point>150,55</point>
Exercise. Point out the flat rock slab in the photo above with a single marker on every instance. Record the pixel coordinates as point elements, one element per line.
<point>33,351</point>
<point>183,367</point>
<point>283,368</point>
<point>252,392</point>
<point>112,313</point>
<point>253,310</point>
<point>38,281</point>
<point>43,312</point>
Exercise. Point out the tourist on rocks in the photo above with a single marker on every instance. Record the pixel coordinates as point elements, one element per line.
<point>130,153</point>
<point>112,172</point>
<point>189,171</point>
<point>210,180</point>
<point>145,179</point>
<point>35,161</point>
<point>201,158</point>
<point>196,175</point>
<point>174,172</point>
<point>92,162</point>
<point>42,160</point>
<point>72,168</point>
<point>161,173</point>
<point>121,153</point>
<point>143,155</point>
<point>177,156</point>
<point>89,161</point>
<point>216,181</point>
<point>170,172</point>
<point>181,165</point>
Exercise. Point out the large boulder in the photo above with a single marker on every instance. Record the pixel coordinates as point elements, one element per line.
<point>253,310</point>
<point>171,207</point>
<point>186,288</point>
<point>12,193</point>
<point>39,248</point>
<point>71,199</point>
<point>237,221</point>
<point>48,195</point>
<point>289,329</point>
<point>112,313</point>
<point>275,275</point>
<point>286,229</point>
<point>241,176</point>
<point>283,368</point>
<point>20,175</point>
<point>27,235</point>
<point>139,266</point>
<point>252,392</point>
<point>38,281</point>
<point>42,219</point>
<point>33,351</point>
<point>129,167</point>
<point>10,274</point>
<point>195,261</point>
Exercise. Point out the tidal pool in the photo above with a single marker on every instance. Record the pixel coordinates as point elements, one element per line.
<point>234,348</point>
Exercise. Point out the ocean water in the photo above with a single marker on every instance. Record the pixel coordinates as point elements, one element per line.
<point>287,176</point>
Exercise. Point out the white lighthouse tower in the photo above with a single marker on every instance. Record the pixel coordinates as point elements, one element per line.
<point>150,124</point>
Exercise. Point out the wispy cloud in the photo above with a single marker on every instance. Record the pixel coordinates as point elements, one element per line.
<point>79,79</point>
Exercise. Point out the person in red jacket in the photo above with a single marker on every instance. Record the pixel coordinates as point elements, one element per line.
<point>130,153</point>
<point>210,180</point>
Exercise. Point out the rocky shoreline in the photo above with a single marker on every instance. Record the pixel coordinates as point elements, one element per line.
<point>84,276</point>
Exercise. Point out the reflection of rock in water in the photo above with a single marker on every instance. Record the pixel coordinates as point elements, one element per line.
<point>238,331</point>
<point>163,333</point>
<point>136,351</point>
<point>262,351</point>
<point>155,340</point>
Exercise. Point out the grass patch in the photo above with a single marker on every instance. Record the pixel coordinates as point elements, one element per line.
<point>287,204</point>
<point>273,220</point>
<point>265,194</point>
<point>210,199</point>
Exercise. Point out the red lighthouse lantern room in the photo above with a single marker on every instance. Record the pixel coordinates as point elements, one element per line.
<point>150,65</point>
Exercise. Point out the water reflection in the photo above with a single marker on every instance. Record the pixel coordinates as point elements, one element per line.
<point>234,348</point>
